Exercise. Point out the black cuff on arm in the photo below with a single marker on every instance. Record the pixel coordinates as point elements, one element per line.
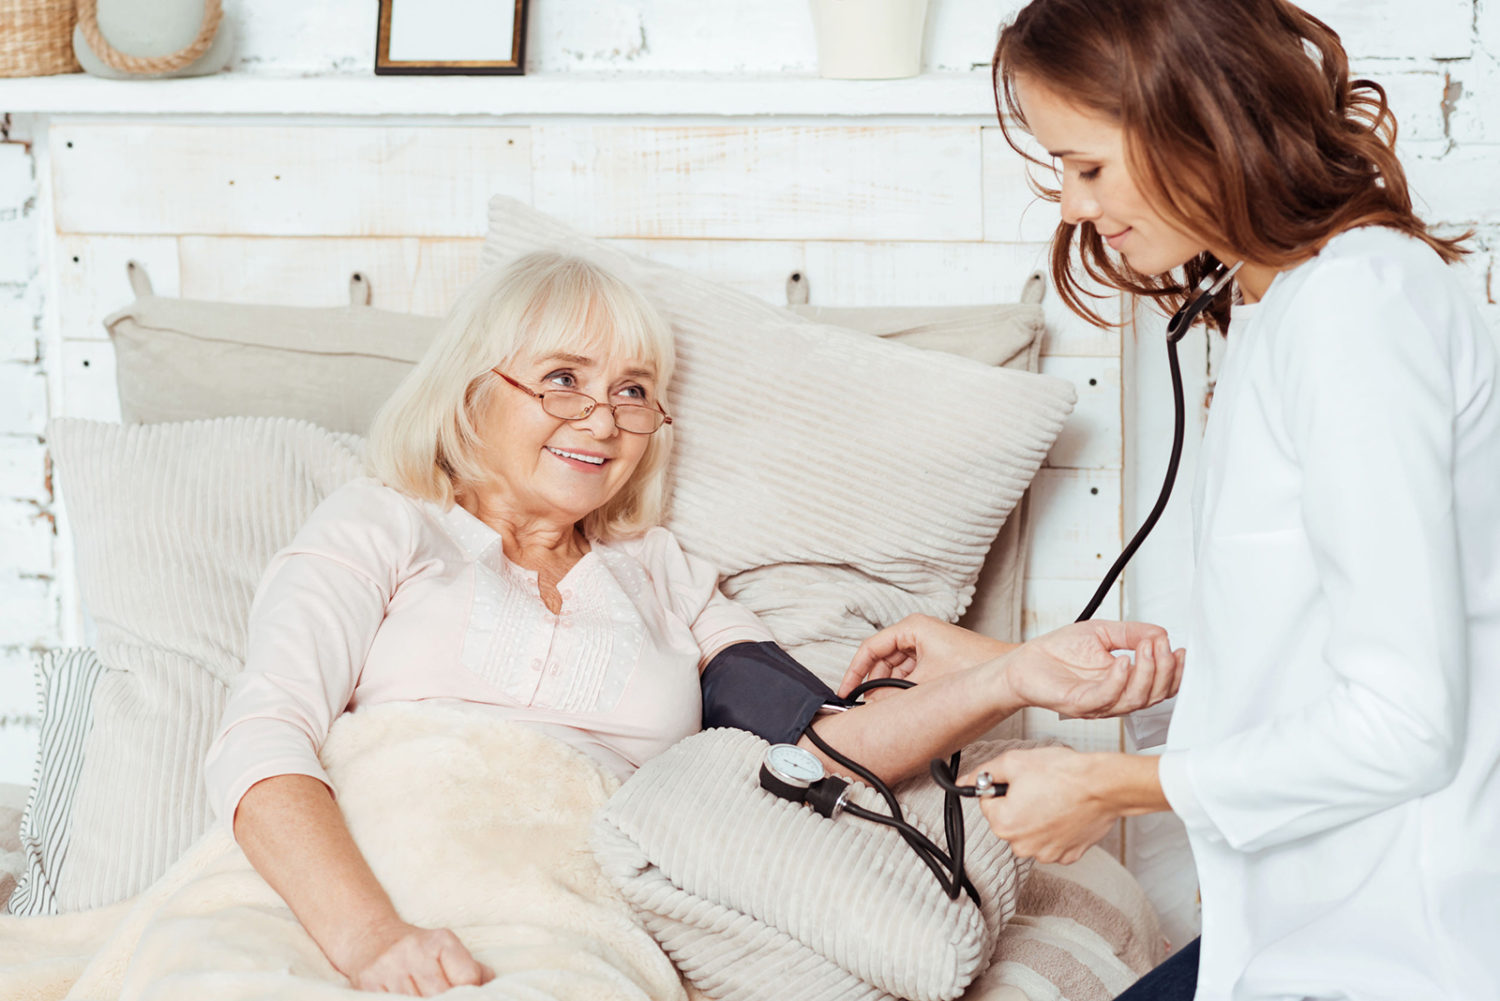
<point>760,688</point>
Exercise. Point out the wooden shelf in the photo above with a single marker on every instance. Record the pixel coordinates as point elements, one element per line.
<point>949,95</point>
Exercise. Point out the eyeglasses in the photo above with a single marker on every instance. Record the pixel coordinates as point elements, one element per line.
<point>567,405</point>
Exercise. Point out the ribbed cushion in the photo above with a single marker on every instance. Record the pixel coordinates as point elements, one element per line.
<point>839,481</point>
<point>66,680</point>
<point>747,892</point>
<point>173,525</point>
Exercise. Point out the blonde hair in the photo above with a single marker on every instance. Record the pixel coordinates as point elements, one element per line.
<point>425,442</point>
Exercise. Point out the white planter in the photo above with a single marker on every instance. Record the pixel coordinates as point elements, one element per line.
<point>869,39</point>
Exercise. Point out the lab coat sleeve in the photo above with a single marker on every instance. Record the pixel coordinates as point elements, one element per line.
<point>1366,388</point>
<point>311,626</point>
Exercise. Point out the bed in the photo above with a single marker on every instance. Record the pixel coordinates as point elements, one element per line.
<point>233,433</point>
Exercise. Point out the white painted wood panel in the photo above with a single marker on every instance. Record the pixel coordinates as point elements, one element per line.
<point>1012,210</point>
<point>886,273</point>
<point>1051,603</point>
<point>1091,438</point>
<point>1075,523</point>
<point>91,278</point>
<point>88,381</point>
<point>756,267</point>
<point>283,180</point>
<point>762,183</point>
<point>405,274</point>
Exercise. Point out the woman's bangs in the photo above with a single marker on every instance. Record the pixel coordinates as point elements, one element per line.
<point>596,324</point>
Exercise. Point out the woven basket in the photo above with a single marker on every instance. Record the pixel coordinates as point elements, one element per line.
<point>36,38</point>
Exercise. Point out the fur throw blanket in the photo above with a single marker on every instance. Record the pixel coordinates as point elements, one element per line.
<point>471,824</point>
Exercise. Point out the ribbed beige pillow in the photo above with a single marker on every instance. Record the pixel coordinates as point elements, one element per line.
<point>173,525</point>
<point>839,481</point>
<point>1008,335</point>
<point>747,892</point>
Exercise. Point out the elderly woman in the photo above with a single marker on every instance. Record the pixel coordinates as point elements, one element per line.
<point>506,553</point>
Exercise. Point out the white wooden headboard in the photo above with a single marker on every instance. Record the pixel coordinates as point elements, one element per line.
<point>238,210</point>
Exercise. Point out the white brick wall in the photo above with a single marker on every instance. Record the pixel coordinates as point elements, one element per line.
<point>1440,60</point>
<point>28,604</point>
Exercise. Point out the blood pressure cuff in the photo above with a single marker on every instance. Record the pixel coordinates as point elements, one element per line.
<point>760,688</point>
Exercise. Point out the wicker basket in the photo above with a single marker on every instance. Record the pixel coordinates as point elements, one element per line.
<point>36,37</point>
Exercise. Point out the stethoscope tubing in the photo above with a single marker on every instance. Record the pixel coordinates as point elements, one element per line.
<point>945,774</point>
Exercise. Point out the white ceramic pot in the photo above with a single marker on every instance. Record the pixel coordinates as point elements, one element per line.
<point>869,39</point>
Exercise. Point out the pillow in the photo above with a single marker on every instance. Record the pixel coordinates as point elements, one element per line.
<point>177,360</point>
<point>173,525</point>
<point>1009,336</point>
<point>838,481</point>
<point>65,680</point>
<point>1084,931</point>
<point>12,859</point>
<point>740,887</point>
<point>180,359</point>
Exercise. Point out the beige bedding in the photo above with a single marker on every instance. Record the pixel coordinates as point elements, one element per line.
<point>445,804</point>
<point>1082,933</point>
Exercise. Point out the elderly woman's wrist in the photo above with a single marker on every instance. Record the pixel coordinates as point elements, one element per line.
<point>1003,692</point>
<point>358,943</point>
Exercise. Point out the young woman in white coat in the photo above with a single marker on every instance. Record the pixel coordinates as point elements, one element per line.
<point>1335,748</point>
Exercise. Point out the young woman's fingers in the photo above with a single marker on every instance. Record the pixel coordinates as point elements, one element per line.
<point>1166,672</point>
<point>1126,635</point>
<point>1142,675</point>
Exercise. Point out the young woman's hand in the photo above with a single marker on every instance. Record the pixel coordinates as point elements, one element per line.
<point>1060,801</point>
<point>1077,671</point>
<point>1052,811</point>
<point>424,962</point>
<point>919,648</point>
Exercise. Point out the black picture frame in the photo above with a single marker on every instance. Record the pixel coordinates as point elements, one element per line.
<point>432,63</point>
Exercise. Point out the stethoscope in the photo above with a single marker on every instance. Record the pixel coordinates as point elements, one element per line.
<point>796,774</point>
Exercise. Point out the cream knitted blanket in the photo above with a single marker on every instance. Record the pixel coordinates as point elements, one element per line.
<point>470,824</point>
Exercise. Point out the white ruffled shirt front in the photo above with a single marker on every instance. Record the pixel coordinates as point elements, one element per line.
<point>1334,750</point>
<point>381,598</point>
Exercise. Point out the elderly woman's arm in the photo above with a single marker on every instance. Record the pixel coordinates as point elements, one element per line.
<point>1074,670</point>
<point>295,836</point>
<point>312,623</point>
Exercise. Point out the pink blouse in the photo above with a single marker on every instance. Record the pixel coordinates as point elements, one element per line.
<point>381,598</point>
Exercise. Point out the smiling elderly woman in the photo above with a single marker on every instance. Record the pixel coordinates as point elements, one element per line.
<point>506,553</point>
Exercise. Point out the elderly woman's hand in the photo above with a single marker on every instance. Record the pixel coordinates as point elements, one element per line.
<point>919,648</point>
<point>425,962</point>
<point>1076,670</point>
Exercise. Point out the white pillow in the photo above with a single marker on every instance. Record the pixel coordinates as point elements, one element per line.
<point>173,526</point>
<point>740,887</point>
<point>839,481</point>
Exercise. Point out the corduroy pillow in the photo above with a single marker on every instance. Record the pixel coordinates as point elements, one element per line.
<point>742,888</point>
<point>840,482</point>
<point>173,525</point>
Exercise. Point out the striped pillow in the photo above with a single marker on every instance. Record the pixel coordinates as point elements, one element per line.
<point>65,680</point>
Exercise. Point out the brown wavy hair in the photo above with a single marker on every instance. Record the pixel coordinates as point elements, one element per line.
<point>1240,124</point>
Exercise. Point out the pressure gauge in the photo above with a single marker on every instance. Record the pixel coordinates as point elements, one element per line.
<point>787,770</point>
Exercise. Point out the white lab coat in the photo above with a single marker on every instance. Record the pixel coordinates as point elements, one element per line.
<point>1335,749</point>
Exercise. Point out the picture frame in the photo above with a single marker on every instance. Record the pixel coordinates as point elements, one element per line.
<point>451,37</point>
